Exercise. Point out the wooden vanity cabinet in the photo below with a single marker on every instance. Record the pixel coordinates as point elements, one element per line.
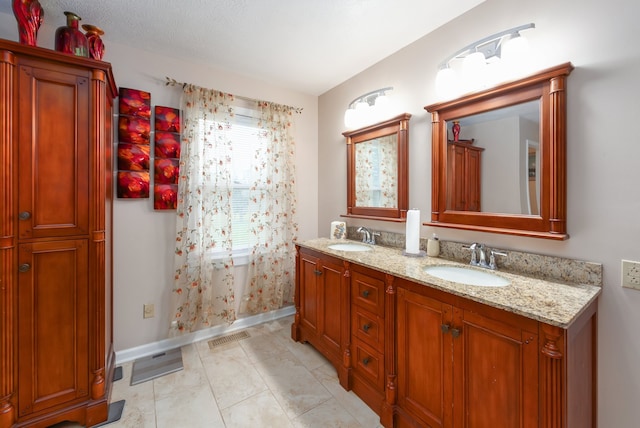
<point>56,356</point>
<point>463,176</point>
<point>322,298</point>
<point>422,357</point>
<point>460,365</point>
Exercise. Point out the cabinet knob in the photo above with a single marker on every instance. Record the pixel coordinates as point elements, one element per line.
<point>445,328</point>
<point>366,327</point>
<point>366,361</point>
<point>455,332</point>
<point>24,267</point>
<point>365,293</point>
<point>24,215</point>
<point>317,272</point>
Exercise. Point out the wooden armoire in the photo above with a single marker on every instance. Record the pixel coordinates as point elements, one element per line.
<point>56,356</point>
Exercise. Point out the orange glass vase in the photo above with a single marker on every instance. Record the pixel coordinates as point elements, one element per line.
<point>96,45</point>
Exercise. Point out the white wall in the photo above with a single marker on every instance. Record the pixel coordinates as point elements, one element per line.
<point>144,238</point>
<point>600,39</point>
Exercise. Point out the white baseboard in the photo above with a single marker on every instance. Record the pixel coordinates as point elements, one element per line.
<point>153,348</point>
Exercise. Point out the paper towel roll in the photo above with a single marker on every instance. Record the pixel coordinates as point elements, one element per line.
<point>338,230</point>
<point>413,232</point>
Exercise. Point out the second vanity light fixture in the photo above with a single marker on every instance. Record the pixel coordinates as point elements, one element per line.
<point>369,108</point>
<point>493,59</point>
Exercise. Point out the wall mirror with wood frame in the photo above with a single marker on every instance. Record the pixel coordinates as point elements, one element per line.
<point>499,158</point>
<point>378,170</point>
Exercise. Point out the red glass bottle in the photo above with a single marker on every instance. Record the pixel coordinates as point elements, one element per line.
<point>69,39</point>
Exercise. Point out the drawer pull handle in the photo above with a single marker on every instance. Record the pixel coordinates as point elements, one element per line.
<point>365,293</point>
<point>24,215</point>
<point>24,267</point>
<point>317,272</point>
<point>366,361</point>
<point>366,327</point>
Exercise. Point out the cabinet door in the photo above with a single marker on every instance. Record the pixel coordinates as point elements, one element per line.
<point>53,150</point>
<point>424,359</point>
<point>456,180</point>
<point>495,374</point>
<point>472,179</point>
<point>332,300</point>
<point>322,300</point>
<point>309,290</point>
<point>52,324</point>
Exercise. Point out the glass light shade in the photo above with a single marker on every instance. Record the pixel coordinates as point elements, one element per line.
<point>447,83</point>
<point>474,71</point>
<point>382,107</point>
<point>350,118</point>
<point>362,113</point>
<point>515,54</point>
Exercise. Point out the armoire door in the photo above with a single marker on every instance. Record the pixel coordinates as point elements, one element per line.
<point>53,151</point>
<point>53,321</point>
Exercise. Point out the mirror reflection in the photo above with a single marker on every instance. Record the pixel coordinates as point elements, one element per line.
<point>377,172</point>
<point>493,161</point>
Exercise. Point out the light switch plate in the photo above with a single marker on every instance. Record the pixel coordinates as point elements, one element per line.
<point>631,274</point>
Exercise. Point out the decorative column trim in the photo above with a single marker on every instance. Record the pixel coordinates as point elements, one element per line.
<point>8,258</point>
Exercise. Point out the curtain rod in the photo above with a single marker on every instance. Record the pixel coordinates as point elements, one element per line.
<point>173,82</point>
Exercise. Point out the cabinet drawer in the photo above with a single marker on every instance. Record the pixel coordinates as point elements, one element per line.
<point>369,364</point>
<point>368,293</point>
<point>368,327</point>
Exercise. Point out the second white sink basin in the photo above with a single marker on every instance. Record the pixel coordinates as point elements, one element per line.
<point>464,275</point>
<point>347,246</point>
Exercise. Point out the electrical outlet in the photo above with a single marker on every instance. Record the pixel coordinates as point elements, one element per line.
<point>148,311</point>
<point>631,274</point>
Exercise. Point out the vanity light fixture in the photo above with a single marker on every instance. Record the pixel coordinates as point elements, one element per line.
<point>493,59</point>
<point>369,108</point>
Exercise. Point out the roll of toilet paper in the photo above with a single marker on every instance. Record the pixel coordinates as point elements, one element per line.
<point>338,230</point>
<point>413,232</point>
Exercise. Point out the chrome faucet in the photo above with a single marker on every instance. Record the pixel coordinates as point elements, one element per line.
<point>479,256</point>
<point>368,237</point>
<point>366,234</point>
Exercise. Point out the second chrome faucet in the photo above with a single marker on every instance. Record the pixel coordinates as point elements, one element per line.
<point>479,256</point>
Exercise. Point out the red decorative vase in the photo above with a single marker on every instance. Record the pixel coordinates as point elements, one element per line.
<point>29,15</point>
<point>69,39</point>
<point>456,130</point>
<point>96,46</point>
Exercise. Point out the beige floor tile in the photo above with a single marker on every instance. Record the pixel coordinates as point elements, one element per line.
<point>232,377</point>
<point>292,384</point>
<point>192,408</point>
<point>259,411</point>
<point>329,414</point>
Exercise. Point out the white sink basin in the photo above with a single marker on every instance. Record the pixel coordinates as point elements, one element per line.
<point>468,276</point>
<point>346,246</point>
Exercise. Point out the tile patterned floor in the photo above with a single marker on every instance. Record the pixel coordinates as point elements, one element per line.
<point>266,380</point>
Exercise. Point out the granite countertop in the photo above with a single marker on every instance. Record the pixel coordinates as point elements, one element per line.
<point>551,302</point>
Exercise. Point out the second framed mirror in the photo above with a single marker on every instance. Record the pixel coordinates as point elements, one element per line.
<point>378,170</point>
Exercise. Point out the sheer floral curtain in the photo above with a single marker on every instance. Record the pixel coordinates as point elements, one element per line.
<point>272,204</point>
<point>206,285</point>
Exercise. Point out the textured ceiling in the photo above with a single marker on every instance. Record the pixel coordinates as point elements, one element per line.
<point>304,45</point>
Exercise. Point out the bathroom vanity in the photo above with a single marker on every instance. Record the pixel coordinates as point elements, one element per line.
<point>427,352</point>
